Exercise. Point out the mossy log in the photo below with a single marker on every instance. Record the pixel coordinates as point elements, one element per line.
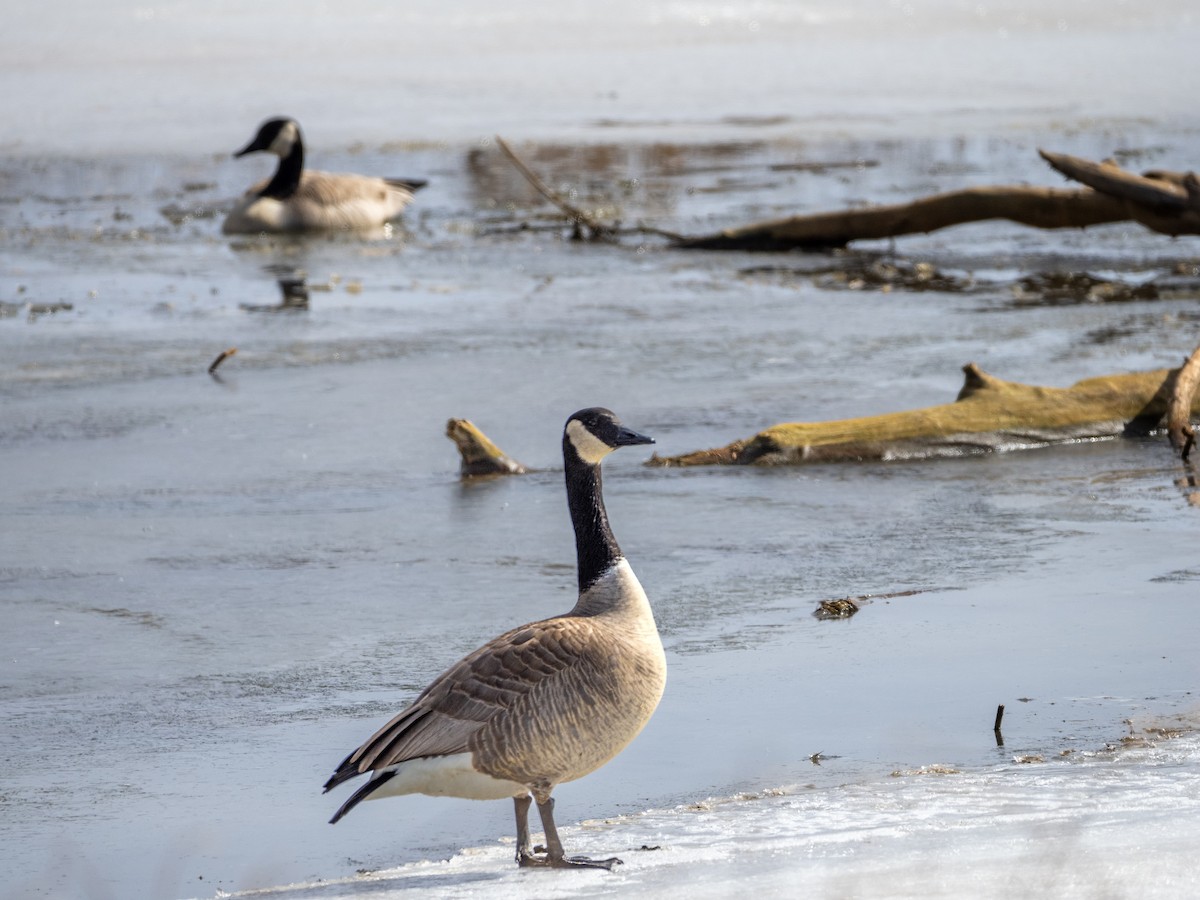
<point>990,414</point>
<point>1165,202</point>
<point>479,455</point>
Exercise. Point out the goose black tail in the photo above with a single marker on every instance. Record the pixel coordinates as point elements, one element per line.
<point>411,184</point>
<point>362,794</point>
<point>344,772</point>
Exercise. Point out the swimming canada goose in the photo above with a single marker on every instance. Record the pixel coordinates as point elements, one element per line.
<point>296,199</point>
<point>544,703</point>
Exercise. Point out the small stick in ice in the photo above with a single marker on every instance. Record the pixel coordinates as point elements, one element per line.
<point>996,727</point>
<point>224,355</point>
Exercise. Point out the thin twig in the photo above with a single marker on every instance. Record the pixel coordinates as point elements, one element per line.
<point>648,229</point>
<point>490,229</point>
<point>508,227</point>
<point>577,215</point>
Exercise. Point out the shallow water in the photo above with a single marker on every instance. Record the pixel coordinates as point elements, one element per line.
<point>215,587</point>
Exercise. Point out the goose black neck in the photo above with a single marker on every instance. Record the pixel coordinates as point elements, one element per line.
<point>596,549</point>
<point>287,175</point>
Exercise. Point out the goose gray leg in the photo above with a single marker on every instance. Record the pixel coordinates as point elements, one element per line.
<point>555,857</point>
<point>524,845</point>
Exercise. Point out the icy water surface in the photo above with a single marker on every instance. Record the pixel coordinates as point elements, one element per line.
<point>215,587</point>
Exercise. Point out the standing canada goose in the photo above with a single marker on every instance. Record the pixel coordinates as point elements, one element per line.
<point>544,703</point>
<point>298,200</point>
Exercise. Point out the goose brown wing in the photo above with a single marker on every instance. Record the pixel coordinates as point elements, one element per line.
<point>334,189</point>
<point>467,696</point>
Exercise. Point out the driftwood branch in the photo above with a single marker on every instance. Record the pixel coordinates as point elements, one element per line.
<point>1165,202</point>
<point>990,414</point>
<point>1036,207</point>
<point>1180,403</point>
<point>1168,192</point>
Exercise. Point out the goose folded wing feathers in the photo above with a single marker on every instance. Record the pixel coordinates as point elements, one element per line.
<point>510,671</point>
<point>330,190</point>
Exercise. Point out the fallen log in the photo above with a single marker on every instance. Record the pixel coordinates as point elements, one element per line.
<point>990,414</point>
<point>479,455</point>
<point>1165,202</point>
<point>1037,207</point>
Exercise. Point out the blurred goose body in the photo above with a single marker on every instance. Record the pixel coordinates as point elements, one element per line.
<point>296,199</point>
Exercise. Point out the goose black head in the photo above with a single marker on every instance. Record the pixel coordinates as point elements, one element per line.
<point>596,432</point>
<point>278,136</point>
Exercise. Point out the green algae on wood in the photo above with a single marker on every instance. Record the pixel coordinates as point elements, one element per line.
<point>479,455</point>
<point>989,414</point>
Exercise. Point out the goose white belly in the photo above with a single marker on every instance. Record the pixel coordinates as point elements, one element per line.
<point>447,776</point>
<point>253,214</point>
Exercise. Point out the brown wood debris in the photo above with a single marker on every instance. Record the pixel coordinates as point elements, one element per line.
<point>1180,404</point>
<point>1166,202</point>
<point>479,455</point>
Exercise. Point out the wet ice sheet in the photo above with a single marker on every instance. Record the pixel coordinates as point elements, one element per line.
<point>216,589</point>
<point>243,627</point>
<point>239,580</point>
<point>212,590</point>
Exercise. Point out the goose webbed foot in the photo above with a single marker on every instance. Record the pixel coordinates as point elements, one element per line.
<point>546,861</point>
<point>551,856</point>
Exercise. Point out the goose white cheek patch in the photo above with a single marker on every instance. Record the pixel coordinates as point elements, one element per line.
<point>589,447</point>
<point>284,141</point>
